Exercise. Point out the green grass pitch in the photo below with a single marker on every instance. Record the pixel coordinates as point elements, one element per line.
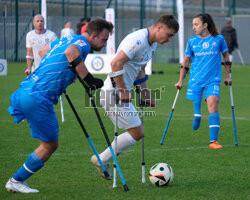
<point>200,173</point>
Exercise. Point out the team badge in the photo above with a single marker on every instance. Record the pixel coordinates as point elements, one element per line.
<point>213,44</point>
<point>205,45</point>
<point>138,42</point>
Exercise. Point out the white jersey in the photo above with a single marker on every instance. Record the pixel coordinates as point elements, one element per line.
<point>136,47</point>
<point>37,41</point>
<point>66,32</point>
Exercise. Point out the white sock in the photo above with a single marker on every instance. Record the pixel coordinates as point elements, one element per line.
<point>124,141</point>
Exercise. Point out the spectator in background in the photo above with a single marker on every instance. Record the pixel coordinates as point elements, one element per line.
<point>82,22</point>
<point>67,30</point>
<point>35,40</point>
<point>230,36</point>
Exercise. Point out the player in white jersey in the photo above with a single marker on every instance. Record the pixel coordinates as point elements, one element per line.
<point>205,49</point>
<point>35,40</point>
<point>127,66</point>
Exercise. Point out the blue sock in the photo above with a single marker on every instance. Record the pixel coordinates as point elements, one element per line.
<point>32,164</point>
<point>214,126</point>
<point>197,115</point>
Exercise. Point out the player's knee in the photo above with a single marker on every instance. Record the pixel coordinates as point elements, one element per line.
<point>137,133</point>
<point>50,147</point>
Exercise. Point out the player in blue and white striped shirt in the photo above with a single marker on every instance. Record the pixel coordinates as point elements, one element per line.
<point>205,50</point>
<point>37,93</point>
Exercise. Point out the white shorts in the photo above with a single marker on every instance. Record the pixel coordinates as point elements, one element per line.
<point>128,116</point>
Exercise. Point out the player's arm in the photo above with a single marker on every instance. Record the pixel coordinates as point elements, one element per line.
<point>30,60</point>
<point>44,50</point>
<point>73,55</point>
<point>145,92</point>
<point>117,66</point>
<point>227,64</point>
<point>183,71</point>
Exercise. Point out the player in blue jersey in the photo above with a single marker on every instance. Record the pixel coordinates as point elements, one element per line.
<point>205,50</point>
<point>38,92</point>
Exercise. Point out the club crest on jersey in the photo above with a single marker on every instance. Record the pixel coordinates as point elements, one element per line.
<point>81,43</point>
<point>138,42</point>
<point>47,40</point>
<point>205,45</point>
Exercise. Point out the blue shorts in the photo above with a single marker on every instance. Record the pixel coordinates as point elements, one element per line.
<point>195,93</point>
<point>39,113</point>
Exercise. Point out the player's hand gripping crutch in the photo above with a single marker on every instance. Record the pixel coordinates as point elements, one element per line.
<point>141,104</point>
<point>116,127</point>
<point>170,116</point>
<point>88,91</point>
<point>86,133</point>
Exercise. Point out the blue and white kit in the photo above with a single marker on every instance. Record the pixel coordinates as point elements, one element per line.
<point>205,74</point>
<point>41,89</point>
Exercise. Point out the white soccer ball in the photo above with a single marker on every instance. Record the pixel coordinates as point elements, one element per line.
<point>161,174</point>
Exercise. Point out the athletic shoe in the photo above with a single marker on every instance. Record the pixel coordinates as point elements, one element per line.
<point>18,186</point>
<point>215,145</point>
<point>95,162</point>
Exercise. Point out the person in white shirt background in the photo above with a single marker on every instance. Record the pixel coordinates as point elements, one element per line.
<point>67,30</point>
<point>35,40</point>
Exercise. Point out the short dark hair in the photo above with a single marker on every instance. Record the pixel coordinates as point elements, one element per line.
<point>206,18</point>
<point>170,21</point>
<point>97,25</point>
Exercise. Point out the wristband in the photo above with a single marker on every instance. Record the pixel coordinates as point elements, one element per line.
<point>30,57</point>
<point>117,73</point>
<point>186,68</point>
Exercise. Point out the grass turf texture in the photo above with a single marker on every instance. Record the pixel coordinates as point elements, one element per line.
<point>200,173</point>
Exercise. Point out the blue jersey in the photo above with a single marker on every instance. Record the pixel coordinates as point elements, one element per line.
<point>206,59</point>
<point>53,76</point>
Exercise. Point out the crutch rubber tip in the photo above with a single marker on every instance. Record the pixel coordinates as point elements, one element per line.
<point>236,145</point>
<point>125,187</point>
<point>106,174</point>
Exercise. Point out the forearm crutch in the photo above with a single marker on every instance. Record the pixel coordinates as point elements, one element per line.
<point>86,133</point>
<point>232,105</point>
<point>170,116</point>
<point>141,104</point>
<point>88,91</point>
<point>116,128</point>
<point>61,105</point>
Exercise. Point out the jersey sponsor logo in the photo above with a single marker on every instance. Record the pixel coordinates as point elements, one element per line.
<point>97,63</point>
<point>205,45</point>
<point>206,53</point>
<point>81,43</point>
